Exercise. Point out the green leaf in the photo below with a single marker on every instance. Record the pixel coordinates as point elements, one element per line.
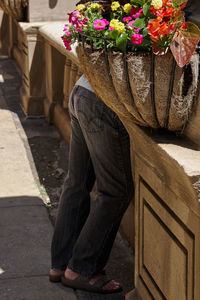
<point>113,34</point>
<point>145,32</point>
<point>138,2</point>
<point>140,22</point>
<point>107,34</point>
<point>177,3</point>
<point>121,41</point>
<point>146,8</point>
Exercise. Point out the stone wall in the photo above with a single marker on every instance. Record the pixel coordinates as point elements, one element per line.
<point>49,10</point>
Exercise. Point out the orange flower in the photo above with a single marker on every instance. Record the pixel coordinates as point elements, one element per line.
<point>167,3</point>
<point>164,30</point>
<point>153,29</point>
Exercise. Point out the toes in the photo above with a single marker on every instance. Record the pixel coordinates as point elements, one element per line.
<point>112,285</point>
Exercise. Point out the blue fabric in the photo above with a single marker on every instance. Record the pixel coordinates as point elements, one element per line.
<point>99,150</point>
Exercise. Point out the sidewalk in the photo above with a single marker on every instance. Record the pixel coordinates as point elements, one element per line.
<point>25,226</point>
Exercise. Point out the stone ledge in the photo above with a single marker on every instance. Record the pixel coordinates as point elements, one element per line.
<point>53,33</point>
<point>171,159</point>
<point>33,26</point>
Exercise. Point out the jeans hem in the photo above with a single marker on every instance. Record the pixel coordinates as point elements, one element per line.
<point>58,268</point>
<point>81,272</point>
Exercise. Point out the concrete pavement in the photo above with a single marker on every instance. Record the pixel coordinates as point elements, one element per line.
<point>25,227</point>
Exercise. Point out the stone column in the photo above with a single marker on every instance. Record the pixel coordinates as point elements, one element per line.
<point>29,54</point>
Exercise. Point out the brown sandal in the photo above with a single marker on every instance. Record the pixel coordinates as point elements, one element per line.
<point>55,278</point>
<point>82,283</point>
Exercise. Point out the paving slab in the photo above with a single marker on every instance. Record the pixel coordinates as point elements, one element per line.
<point>34,288</point>
<point>25,235</point>
<point>20,201</point>
<point>90,296</point>
<point>16,177</point>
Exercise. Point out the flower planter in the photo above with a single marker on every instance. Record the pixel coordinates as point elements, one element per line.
<point>146,89</point>
<point>14,7</point>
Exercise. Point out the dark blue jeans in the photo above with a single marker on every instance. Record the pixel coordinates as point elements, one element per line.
<point>99,149</point>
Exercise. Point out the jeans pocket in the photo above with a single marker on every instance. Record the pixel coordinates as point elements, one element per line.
<point>89,110</point>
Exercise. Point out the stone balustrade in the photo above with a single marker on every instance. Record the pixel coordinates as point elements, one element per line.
<point>15,8</point>
<point>61,72</point>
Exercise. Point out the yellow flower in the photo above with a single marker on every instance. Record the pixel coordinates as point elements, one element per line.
<point>127,7</point>
<point>117,25</point>
<point>95,6</point>
<point>157,4</point>
<point>115,5</point>
<point>80,7</point>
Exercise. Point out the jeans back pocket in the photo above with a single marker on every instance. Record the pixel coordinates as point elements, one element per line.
<point>89,110</point>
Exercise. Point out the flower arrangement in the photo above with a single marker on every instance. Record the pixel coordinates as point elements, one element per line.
<point>137,25</point>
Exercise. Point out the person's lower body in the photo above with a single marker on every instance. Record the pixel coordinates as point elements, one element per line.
<point>99,149</point>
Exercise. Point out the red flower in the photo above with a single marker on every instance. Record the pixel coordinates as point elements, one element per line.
<point>184,26</point>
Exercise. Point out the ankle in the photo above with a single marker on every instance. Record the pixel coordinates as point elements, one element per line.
<point>71,274</point>
<point>56,272</point>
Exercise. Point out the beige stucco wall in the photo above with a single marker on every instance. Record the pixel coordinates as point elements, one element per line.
<point>51,10</point>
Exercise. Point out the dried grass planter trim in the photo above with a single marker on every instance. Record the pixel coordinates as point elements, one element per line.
<point>141,87</point>
<point>15,8</point>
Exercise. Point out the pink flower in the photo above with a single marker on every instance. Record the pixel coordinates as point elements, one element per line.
<point>80,24</point>
<point>106,21</point>
<point>79,27</point>
<point>67,43</point>
<point>136,29</point>
<point>136,12</point>
<point>139,13</point>
<point>130,23</point>
<point>137,39</point>
<point>73,17</point>
<point>76,13</point>
<point>127,19</point>
<point>67,31</point>
<point>100,24</point>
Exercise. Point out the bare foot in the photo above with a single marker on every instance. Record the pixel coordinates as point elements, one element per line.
<point>56,272</point>
<point>111,285</point>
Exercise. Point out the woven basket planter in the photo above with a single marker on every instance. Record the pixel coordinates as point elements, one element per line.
<point>149,90</point>
<point>14,8</point>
